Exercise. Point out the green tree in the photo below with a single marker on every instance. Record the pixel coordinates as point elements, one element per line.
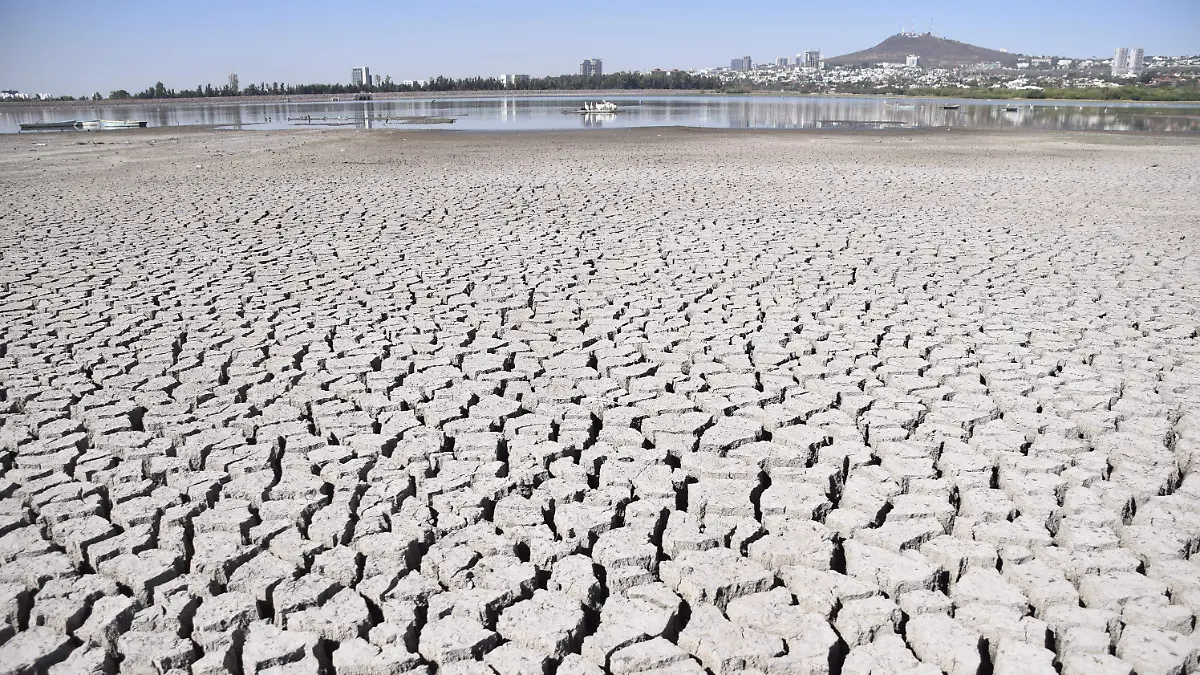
<point>119,95</point>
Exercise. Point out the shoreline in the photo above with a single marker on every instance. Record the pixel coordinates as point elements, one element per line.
<point>554,93</point>
<point>615,135</point>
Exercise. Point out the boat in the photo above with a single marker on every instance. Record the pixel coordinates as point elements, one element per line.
<point>1011,108</point>
<point>106,125</point>
<point>596,108</point>
<point>86,125</point>
<point>951,106</point>
<point>48,126</point>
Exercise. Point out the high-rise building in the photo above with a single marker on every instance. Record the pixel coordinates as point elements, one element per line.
<point>513,81</point>
<point>736,65</point>
<point>912,61</point>
<point>782,62</point>
<point>812,59</point>
<point>360,77</point>
<point>591,68</point>
<point>1137,61</point>
<point>1120,64</point>
<point>747,64</point>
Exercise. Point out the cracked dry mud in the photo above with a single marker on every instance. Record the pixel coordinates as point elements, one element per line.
<point>658,402</point>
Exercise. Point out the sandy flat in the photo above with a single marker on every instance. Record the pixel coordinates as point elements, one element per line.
<point>647,401</point>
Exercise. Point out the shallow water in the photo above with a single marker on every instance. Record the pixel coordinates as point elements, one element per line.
<point>530,113</point>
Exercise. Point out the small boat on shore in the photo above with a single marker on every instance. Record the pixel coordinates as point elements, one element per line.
<point>122,124</point>
<point>105,125</point>
<point>48,126</point>
<point>1011,108</point>
<point>951,106</point>
<point>86,125</point>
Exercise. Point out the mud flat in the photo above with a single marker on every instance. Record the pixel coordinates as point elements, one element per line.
<point>655,401</point>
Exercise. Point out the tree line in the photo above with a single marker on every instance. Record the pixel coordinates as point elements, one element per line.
<point>623,80</point>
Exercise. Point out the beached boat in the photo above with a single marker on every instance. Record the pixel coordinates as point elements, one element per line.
<point>952,106</point>
<point>86,125</point>
<point>1011,108</point>
<point>594,108</point>
<point>120,124</point>
<point>47,126</point>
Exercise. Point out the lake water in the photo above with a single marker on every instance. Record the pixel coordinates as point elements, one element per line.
<point>530,113</point>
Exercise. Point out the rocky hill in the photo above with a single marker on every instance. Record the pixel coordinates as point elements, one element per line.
<point>934,52</point>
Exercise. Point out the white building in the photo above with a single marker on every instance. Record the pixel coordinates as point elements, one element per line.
<point>1137,61</point>
<point>360,77</point>
<point>513,81</point>
<point>912,61</point>
<point>1120,64</point>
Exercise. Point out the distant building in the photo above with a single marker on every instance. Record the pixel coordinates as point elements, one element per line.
<point>1064,64</point>
<point>741,65</point>
<point>360,77</point>
<point>1137,61</point>
<point>1120,64</point>
<point>1040,63</point>
<point>233,83</point>
<point>912,61</point>
<point>782,62</point>
<point>812,59</point>
<point>514,81</point>
<point>591,68</point>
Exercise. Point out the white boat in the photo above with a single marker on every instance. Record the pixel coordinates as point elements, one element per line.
<point>121,124</point>
<point>108,125</point>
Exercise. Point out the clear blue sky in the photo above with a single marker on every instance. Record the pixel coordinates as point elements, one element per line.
<point>80,47</point>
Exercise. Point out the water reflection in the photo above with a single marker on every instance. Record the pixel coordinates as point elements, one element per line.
<point>547,112</point>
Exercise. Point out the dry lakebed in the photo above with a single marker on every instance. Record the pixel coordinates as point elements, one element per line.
<point>656,401</point>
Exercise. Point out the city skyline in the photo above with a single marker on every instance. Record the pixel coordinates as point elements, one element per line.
<point>307,43</point>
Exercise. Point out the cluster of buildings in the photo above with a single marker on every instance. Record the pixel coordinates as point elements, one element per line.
<point>810,60</point>
<point>591,68</point>
<point>809,72</point>
<point>14,95</point>
<point>362,77</point>
<point>1128,62</point>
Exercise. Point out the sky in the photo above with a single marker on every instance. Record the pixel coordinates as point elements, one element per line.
<point>81,47</point>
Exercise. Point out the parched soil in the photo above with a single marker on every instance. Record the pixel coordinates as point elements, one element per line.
<point>657,401</point>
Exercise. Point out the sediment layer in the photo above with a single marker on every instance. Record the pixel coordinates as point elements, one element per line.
<point>657,401</point>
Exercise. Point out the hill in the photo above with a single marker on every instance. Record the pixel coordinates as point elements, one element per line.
<point>935,52</point>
